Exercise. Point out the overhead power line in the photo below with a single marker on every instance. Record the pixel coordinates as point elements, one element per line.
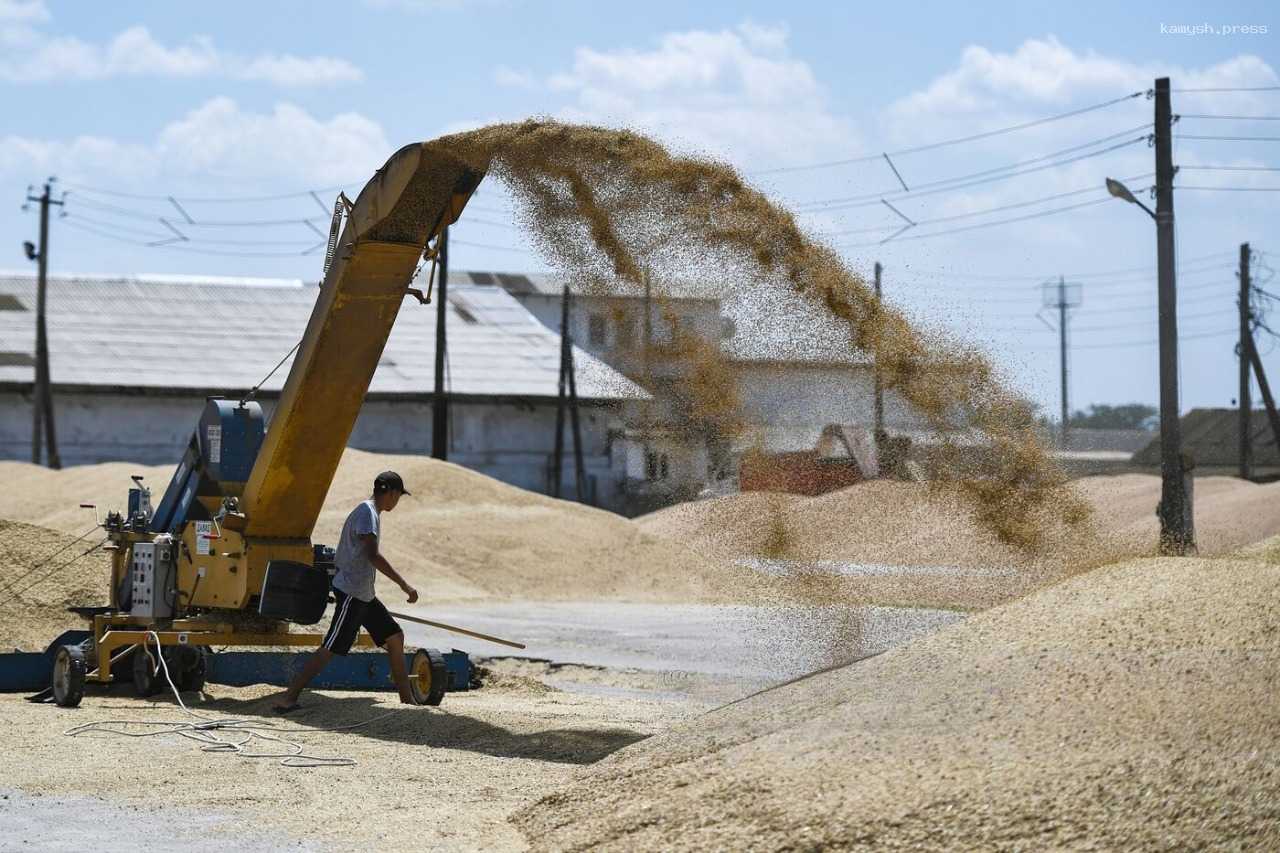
<point>1229,168</point>
<point>245,199</point>
<point>947,142</point>
<point>1231,138</point>
<point>969,215</point>
<point>1037,215</point>
<point>962,182</point>
<point>169,237</point>
<point>1229,89</point>
<point>176,247</point>
<point>1229,118</point>
<point>149,216</point>
<point>1149,268</point>
<point>489,246</point>
<point>1231,189</point>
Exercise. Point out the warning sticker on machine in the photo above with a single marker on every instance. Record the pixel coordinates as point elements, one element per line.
<point>203,530</point>
<point>213,432</point>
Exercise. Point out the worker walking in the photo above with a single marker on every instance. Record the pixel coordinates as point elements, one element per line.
<point>358,558</point>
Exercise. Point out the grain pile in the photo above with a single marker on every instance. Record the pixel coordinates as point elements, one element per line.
<point>907,524</point>
<point>461,535</point>
<point>1130,707</point>
<point>910,524</point>
<point>41,572</point>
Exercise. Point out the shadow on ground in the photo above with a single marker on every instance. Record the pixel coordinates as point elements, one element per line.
<point>434,727</point>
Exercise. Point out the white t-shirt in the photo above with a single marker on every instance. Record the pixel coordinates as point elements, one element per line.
<point>355,572</point>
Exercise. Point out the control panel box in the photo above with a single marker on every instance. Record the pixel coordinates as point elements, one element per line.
<point>154,574</point>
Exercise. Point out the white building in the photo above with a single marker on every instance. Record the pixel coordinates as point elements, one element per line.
<point>132,358</point>
<point>792,369</point>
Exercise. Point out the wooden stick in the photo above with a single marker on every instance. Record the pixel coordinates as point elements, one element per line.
<point>455,629</point>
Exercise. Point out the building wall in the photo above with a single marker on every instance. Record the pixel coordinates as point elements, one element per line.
<point>509,441</point>
<point>796,394</point>
<point>611,327</point>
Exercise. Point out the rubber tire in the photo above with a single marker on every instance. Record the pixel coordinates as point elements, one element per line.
<point>146,681</point>
<point>68,676</point>
<point>193,667</point>
<point>432,662</point>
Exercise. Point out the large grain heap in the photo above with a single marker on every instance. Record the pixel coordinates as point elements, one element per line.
<point>1133,707</point>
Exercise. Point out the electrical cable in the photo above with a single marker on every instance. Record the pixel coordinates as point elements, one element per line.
<point>101,223</point>
<point>150,216</point>
<point>980,225</point>
<point>872,199</point>
<point>45,561</point>
<point>490,246</point>
<point>1231,138</point>
<point>1230,118</point>
<point>947,142</point>
<point>207,199</point>
<point>189,249</point>
<point>996,170</point>
<point>1130,344</point>
<point>1231,189</point>
<point>203,730</point>
<point>1229,89</point>
<point>1229,168</point>
<point>44,577</point>
<point>984,211</point>
<point>1149,268</point>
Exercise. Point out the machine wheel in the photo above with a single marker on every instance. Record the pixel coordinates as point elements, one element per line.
<point>145,678</point>
<point>192,668</point>
<point>68,676</point>
<point>428,677</point>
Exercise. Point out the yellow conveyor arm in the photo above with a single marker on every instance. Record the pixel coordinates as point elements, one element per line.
<point>408,202</point>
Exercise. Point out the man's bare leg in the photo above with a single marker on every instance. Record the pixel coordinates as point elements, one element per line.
<point>318,661</point>
<point>395,648</point>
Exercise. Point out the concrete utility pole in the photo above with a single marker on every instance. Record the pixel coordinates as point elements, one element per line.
<point>440,399</point>
<point>878,420</point>
<point>42,396</point>
<point>1176,530</point>
<point>1245,400</point>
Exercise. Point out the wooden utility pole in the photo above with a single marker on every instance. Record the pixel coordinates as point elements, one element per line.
<point>878,419</point>
<point>1176,529</point>
<point>1062,357</point>
<point>440,399</point>
<point>1268,402</point>
<point>567,397</point>
<point>42,394</point>
<point>557,459</point>
<point>1245,400</point>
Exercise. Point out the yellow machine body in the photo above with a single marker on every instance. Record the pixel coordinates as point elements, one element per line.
<point>221,564</point>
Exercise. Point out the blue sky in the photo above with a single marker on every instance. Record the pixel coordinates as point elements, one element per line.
<point>233,99</point>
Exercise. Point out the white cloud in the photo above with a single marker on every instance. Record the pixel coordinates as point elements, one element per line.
<point>26,11</point>
<point>35,57</point>
<point>218,140</point>
<point>1044,73</point>
<point>736,92</point>
<point>513,78</point>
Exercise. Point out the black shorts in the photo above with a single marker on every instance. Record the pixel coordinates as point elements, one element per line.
<point>350,614</point>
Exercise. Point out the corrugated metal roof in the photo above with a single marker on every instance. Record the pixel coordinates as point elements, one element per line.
<point>1212,437</point>
<point>153,332</point>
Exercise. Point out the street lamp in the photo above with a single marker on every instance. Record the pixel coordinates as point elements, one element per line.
<point>1121,192</point>
<point>1177,519</point>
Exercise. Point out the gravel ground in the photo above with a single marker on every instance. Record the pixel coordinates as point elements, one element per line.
<point>1131,707</point>
<point>444,778</point>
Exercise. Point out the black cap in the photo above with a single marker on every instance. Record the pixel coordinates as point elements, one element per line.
<point>389,481</point>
